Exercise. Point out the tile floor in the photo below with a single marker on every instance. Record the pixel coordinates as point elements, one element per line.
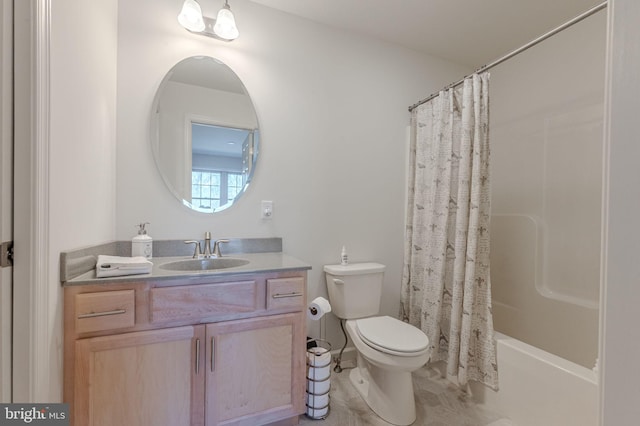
<point>438,403</point>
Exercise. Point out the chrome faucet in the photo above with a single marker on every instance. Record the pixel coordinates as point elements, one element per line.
<point>207,245</point>
<point>208,253</point>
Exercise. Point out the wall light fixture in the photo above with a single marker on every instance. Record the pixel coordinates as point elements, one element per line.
<point>223,27</point>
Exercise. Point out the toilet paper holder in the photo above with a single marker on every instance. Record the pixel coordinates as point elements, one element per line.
<point>318,378</point>
<point>318,308</point>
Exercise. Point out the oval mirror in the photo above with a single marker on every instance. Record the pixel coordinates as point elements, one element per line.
<point>204,134</point>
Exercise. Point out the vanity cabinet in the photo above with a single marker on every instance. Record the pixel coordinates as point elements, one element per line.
<point>205,351</point>
<point>250,369</point>
<point>140,378</point>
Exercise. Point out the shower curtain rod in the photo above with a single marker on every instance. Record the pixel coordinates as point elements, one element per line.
<point>519,50</point>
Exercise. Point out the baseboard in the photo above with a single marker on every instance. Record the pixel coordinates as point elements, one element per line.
<point>348,359</point>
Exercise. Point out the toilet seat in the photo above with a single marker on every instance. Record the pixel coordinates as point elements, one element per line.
<point>392,336</point>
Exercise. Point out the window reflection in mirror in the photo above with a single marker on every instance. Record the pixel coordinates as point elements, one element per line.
<point>222,159</point>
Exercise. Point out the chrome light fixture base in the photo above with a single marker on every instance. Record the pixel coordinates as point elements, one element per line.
<point>209,23</point>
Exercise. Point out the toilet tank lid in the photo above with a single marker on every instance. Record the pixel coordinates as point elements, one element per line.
<point>355,268</point>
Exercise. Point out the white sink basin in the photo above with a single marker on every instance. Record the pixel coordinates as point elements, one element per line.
<point>204,264</point>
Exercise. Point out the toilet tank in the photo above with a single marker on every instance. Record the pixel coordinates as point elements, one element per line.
<point>354,289</point>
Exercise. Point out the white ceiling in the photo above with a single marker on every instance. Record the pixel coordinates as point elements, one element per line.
<point>468,32</point>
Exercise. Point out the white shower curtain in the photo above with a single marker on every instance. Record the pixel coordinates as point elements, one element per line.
<point>446,290</point>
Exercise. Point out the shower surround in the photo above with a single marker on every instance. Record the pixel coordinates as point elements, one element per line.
<point>547,167</point>
<point>547,171</point>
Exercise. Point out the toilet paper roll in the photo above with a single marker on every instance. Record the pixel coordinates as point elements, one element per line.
<point>315,413</point>
<point>317,401</point>
<point>319,373</point>
<point>318,307</point>
<point>318,357</point>
<point>318,388</point>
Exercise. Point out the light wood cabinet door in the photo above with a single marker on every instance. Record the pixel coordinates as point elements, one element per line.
<point>146,378</point>
<point>255,370</point>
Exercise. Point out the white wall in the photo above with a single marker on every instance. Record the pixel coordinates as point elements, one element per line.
<point>6,183</point>
<point>332,109</point>
<point>620,343</point>
<point>82,143</point>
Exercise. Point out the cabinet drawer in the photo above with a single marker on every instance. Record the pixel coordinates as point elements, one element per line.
<point>193,302</point>
<point>285,293</point>
<point>106,310</point>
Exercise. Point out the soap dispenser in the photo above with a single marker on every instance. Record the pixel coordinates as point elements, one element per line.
<point>142,244</point>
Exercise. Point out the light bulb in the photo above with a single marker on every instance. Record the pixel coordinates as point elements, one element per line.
<point>225,26</point>
<point>191,16</point>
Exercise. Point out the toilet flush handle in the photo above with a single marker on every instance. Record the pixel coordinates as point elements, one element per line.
<point>338,281</point>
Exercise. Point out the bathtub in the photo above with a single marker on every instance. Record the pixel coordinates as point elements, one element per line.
<point>538,388</point>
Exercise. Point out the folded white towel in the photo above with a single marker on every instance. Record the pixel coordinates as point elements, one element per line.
<point>113,266</point>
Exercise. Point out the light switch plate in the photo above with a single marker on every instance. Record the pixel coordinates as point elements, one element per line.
<point>266,209</point>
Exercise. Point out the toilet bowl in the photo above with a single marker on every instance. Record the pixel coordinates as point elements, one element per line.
<point>383,373</point>
<point>388,349</point>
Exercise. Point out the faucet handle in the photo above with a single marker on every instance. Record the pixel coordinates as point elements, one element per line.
<point>216,247</point>
<point>197,251</point>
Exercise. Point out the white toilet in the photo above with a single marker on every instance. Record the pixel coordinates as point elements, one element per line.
<point>388,349</point>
